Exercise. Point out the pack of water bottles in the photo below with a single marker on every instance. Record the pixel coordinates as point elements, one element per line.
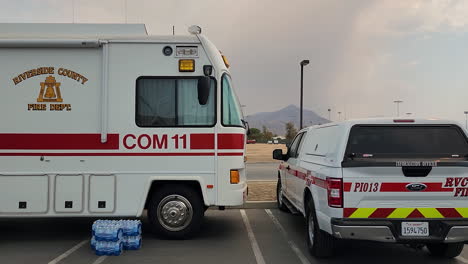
<point>110,237</point>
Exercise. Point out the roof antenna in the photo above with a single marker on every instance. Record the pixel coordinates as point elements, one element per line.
<point>173,30</point>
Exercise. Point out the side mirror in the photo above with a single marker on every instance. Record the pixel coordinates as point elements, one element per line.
<point>278,154</point>
<point>204,85</point>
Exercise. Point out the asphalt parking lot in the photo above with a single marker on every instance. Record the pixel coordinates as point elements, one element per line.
<point>230,236</point>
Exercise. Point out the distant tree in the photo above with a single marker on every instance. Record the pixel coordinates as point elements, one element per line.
<point>291,132</point>
<point>256,134</point>
<point>267,135</point>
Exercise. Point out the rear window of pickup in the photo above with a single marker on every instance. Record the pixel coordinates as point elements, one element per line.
<point>406,141</point>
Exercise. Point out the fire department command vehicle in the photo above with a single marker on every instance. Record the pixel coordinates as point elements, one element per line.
<point>106,121</point>
<point>401,181</point>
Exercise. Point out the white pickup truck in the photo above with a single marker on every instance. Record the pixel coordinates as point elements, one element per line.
<point>387,180</point>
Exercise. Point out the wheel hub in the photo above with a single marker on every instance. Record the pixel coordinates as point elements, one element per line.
<point>175,212</point>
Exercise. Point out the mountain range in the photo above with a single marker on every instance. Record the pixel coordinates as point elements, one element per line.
<point>276,121</point>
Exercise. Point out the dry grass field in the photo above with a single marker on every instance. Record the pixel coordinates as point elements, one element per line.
<point>262,152</point>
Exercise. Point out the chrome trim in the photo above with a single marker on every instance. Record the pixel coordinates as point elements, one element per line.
<point>371,233</point>
<point>457,234</point>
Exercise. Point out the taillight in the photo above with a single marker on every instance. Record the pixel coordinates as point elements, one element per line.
<point>335,192</point>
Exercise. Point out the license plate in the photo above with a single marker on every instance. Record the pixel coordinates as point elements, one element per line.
<point>419,229</point>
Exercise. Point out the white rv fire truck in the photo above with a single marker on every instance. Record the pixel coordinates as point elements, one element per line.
<point>107,121</point>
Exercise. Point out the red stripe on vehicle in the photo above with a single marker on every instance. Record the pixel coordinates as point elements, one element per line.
<point>301,175</point>
<point>320,183</point>
<point>401,187</point>
<point>347,212</point>
<point>449,212</point>
<point>416,214</point>
<point>347,186</point>
<point>230,154</point>
<point>231,141</point>
<point>381,212</point>
<point>58,141</point>
<point>202,141</point>
<point>115,154</point>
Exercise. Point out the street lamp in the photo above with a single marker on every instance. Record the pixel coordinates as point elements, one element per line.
<point>329,114</point>
<point>339,116</point>
<point>303,63</point>
<point>466,119</point>
<point>398,102</point>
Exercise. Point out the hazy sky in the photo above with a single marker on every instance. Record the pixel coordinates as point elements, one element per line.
<point>364,54</point>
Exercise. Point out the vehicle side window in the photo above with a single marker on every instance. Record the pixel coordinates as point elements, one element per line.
<point>173,102</point>
<point>231,111</point>
<point>300,144</point>
<point>293,150</point>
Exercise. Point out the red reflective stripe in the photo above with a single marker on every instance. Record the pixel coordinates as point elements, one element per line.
<point>415,214</point>
<point>381,212</point>
<point>401,187</point>
<point>58,141</point>
<point>301,175</point>
<point>231,141</point>
<point>347,212</point>
<point>320,183</point>
<point>202,141</point>
<point>347,186</point>
<point>449,212</point>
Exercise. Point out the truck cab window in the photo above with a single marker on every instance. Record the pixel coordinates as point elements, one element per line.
<point>231,111</point>
<point>172,102</point>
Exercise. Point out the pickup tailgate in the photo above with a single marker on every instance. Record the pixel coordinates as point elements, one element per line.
<point>406,171</point>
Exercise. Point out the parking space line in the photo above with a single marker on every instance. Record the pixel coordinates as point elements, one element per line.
<point>68,252</point>
<point>253,241</point>
<point>293,246</point>
<point>100,260</point>
<point>462,259</point>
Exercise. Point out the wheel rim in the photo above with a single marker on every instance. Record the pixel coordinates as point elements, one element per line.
<point>310,229</point>
<point>175,212</point>
<point>280,195</point>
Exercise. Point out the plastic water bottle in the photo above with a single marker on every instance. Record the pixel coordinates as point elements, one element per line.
<point>93,243</point>
<point>131,242</point>
<point>105,230</point>
<point>109,248</point>
<point>131,227</point>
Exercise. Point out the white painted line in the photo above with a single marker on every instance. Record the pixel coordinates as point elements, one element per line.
<point>253,241</point>
<point>293,246</point>
<point>100,260</point>
<point>462,259</point>
<point>68,252</point>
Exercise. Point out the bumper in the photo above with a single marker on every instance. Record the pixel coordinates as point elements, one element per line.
<point>445,231</point>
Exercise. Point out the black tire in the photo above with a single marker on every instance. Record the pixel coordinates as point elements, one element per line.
<point>321,245</point>
<point>280,197</point>
<point>449,250</point>
<point>169,203</point>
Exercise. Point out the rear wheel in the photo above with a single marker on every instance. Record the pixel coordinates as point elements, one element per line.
<point>280,197</point>
<point>319,242</point>
<point>449,250</point>
<point>176,211</point>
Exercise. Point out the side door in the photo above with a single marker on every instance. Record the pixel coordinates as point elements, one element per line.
<point>291,168</point>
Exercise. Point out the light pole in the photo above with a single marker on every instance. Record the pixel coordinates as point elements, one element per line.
<point>398,102</point>
<point>466,120</point>
<point>303,63</point>
<point>329,114</point>
<point>339,116</point>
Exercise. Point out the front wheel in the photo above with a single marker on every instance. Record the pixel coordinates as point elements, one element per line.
<point>176,211</point>
<point>319,242</point>
<point>449,250</point>
<point>280,197</point>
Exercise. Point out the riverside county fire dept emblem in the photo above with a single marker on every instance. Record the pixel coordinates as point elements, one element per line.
<point>50,91</point>
<point>50,88</point>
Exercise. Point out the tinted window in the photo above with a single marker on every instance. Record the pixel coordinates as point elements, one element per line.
<point>293,150</point>
<point>232,115</point>
<point>411,141</point>
<point>163,102</point>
